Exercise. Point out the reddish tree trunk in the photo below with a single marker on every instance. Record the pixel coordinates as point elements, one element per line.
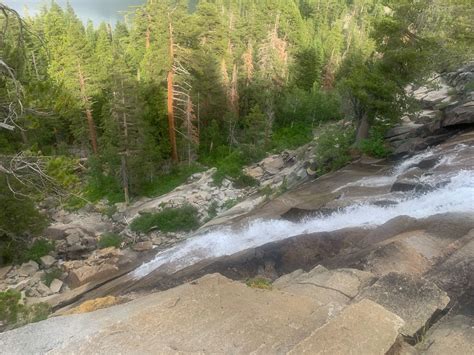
<point>171,124</point>
<point>87,107</point>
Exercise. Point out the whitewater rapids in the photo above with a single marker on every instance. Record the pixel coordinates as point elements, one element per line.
<point>457,195</point>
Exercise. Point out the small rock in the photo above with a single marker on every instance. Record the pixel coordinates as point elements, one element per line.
<point>28,269</point>
<point>56,285</point>
<point>73,238</point>
<point>47,261</point>
<point>20,286</point>
<point>43,289</point>
<point>143,246</point>
<point>4,271</point>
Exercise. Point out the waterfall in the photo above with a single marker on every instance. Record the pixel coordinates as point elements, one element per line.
<point>457,195</point>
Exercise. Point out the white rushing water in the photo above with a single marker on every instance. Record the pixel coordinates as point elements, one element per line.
<point>455,196</point>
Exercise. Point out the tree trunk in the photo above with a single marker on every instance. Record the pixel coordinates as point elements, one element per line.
<point>148,33</point>
<point>124,173</point>
<point>87,107</point>
<point>362,130</point>
<point>171,123</point>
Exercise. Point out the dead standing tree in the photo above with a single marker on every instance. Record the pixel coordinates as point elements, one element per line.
<point>20,169</point>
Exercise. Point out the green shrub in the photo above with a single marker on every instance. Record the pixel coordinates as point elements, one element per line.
<point>62,169</point>
<point>52,274</point>
<point>107,240</point>
<point>332,147</point>
<point>230,203</point>
<point>375,147</point>
<point>291,137</point>
<point>9,306</point>
<point>162,184</point>
<point>212,211</point>
<point>15,314</point>
<point>244,180</point>
<point>182,219</point>
<point>39,248</point>
<point>260,283</point>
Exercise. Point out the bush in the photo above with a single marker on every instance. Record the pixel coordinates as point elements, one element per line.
<point>107,240</point>
<point>62,169</point>
<point>38,249</point>
<point>165,183</point>
<point>244,180</point>
<point>182,219</point>
<point>291,137</point>
<point>260,283</point>
<point>15,314</point>
<point>332,147</point>
<point>375,147</point>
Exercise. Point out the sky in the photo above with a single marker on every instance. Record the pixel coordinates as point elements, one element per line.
<point>96,10</point>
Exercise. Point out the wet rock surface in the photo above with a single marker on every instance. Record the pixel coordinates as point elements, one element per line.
<point>396,276</point>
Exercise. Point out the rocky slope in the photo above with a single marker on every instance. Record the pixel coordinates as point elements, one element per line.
<point>385,244</point>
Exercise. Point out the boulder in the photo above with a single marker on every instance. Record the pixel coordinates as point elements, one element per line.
<point>74,236</point>
<point>55,232</point>
<point>256,172</point>
<point>43,289</point>
<point>460,115</point>
<point>410,146</point>
<point>89,273</point>
<point>427,116</point>
<point>363,328</point>
<point>412,298</point>
<point>401,130</point>
<point>56,285</point>
<point>47,261</point>
<point>273,164</point>
<point>453,336</point>
<point>28,269</point>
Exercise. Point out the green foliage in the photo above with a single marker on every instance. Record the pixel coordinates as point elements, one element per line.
<point>62,169</point>
<point>50,275</point>
<point>15,314</point>
<point>230,203</point>
<point>291,137</point>
<point>243,181</point>
<point>260,283</point>
<point>332,147</point>
<point>18,214</point>
<point>182,219</point>
<point>9,306</point>
<point>107,240</point>
<point>101,183</point>
<point>164,183</point>
<point>230,166</point>
<point>212,210</point>
<point>375,146</point>
<point>38,249</point>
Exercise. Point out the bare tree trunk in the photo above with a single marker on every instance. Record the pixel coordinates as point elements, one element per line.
<point>148,33</point>
<point>171,122</point>
<point>125,178</point>
<point>362,129</point>
<point>124,173</point>
<point>87,106</point>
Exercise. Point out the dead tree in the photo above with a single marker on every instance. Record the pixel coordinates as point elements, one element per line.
<point>171,95</point>
<point>87,104</point>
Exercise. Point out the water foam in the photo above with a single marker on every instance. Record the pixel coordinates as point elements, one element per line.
<point>456,196</point>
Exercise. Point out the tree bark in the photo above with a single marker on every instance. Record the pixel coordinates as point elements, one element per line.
<point>171,123</point>
<point>362,129</point>
<point>87,107</point>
